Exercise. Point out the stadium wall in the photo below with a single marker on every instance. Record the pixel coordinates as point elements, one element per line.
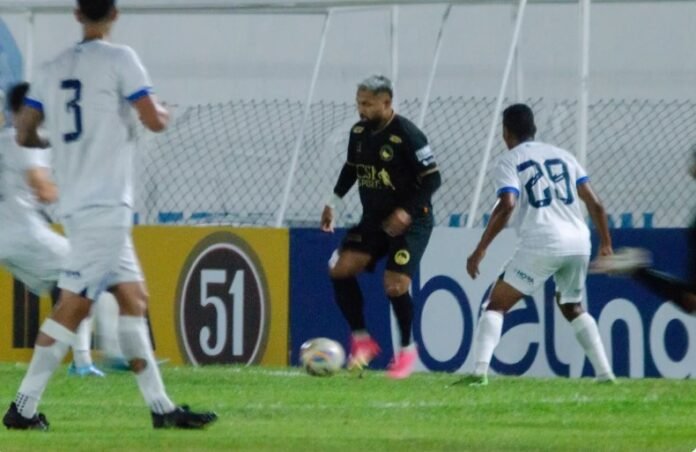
<point>196,277</point>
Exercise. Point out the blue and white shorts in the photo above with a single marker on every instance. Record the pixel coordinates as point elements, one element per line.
<point>34,255</point>
<point>527,272</point>
<point>101,254</point>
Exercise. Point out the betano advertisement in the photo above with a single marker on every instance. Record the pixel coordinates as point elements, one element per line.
<point>644,336</point>
<point>217,296</point>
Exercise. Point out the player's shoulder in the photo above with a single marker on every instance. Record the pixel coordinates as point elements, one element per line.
<point>404,130</point>
<point>64,55</point>
<point>114,50</point>
<point>504,160</point>
<point>406,126</point>
<point>562,153</point>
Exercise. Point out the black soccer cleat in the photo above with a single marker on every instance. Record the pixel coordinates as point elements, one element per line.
<point>183,417</point>
<point>14,420</point>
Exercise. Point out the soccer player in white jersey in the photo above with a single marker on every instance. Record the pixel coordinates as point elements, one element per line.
<point>29,248</point>
<point>86,97</point>
<point>546,184</point>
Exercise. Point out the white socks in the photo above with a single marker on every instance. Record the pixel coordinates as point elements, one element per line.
<point>83,343</point>
<point>135,342</point>
<point>486,338</point>
<point>587,333</point>
<point>490,326</point>
<point>106,315</point>
<point>44,362</point>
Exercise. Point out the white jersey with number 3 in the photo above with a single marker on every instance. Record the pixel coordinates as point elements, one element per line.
<point>549,219</point>
<point>85,96</point>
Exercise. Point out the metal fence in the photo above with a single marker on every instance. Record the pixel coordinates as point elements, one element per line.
<point>227,163</point>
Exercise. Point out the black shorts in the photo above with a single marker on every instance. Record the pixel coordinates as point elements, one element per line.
<point>403,252</point>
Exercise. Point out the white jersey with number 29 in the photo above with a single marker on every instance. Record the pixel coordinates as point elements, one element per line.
<point>545,178</point>
<point>85,95</point>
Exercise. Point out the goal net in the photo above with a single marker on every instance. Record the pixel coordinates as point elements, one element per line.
<point>213,166</point>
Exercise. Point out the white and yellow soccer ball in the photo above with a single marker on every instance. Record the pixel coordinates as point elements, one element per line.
<point>322,356</point>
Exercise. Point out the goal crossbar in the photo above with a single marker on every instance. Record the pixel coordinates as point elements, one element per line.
<point>267,6</point>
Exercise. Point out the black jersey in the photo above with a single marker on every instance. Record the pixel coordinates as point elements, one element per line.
<point>387,167</point>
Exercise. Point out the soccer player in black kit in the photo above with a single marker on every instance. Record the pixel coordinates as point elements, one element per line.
<point>397,175</point>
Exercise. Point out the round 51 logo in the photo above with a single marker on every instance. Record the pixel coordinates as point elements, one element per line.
<point>222,303</point>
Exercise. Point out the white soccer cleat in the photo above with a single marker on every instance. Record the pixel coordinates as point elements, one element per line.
<point>625,261</point>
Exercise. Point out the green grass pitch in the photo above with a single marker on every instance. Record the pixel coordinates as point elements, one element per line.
<point>286,410</point>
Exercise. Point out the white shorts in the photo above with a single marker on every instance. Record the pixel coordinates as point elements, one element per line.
<point>101,254</point>
<point>527,272</point>
<point>34,256</point>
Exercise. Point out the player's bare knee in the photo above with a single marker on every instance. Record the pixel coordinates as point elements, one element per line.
<point>44,340</point>
<point>395,289</point>
<point>395,286</point>
<point>137,365</point>
<point>571,311</point>
<point>341,271</point>
<point>136,306</point>
<point>337,273</point>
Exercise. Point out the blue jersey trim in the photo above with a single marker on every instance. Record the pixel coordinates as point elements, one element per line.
<point>509,190</point>
<point>140,94</point>
<point>35,104</point>
<point>582,180</point>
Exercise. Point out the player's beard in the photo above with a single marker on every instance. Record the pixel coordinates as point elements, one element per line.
<point>370,123</point>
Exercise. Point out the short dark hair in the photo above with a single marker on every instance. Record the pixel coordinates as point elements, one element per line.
<point>518,119</point>
<point>95,10</point>
<point>377,84</point>
<point>16,96</point>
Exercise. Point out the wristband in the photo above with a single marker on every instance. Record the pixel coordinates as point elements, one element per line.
<point>333,201</point>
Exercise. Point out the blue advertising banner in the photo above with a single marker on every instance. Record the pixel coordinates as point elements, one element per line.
<point>643,335</point>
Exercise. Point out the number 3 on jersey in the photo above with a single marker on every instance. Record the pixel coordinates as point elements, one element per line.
<point>557,172</point>
<point>73,107</point>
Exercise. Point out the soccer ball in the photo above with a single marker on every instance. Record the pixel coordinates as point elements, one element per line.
<point>322,357</point>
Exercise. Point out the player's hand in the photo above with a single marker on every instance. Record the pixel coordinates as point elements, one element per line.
<point>397,223</point>
<point>473,262</point>
<point>327,219</point>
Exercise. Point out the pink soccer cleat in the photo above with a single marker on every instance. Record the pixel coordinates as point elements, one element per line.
<point>363,349</point>
<point>402,365</point>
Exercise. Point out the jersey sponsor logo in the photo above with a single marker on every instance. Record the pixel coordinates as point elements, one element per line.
<point>402,257</point>
<point>223,314</point>
<point>385,179</point>
<point>523,276</point>
<point>386,153</point>
<point>72,274</point>
<point>358,129</point>
<point>369,177</point>
<point>425,155</point>
<point>396,139</point>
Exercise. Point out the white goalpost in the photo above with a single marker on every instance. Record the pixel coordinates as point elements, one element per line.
<point>464,127</point>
